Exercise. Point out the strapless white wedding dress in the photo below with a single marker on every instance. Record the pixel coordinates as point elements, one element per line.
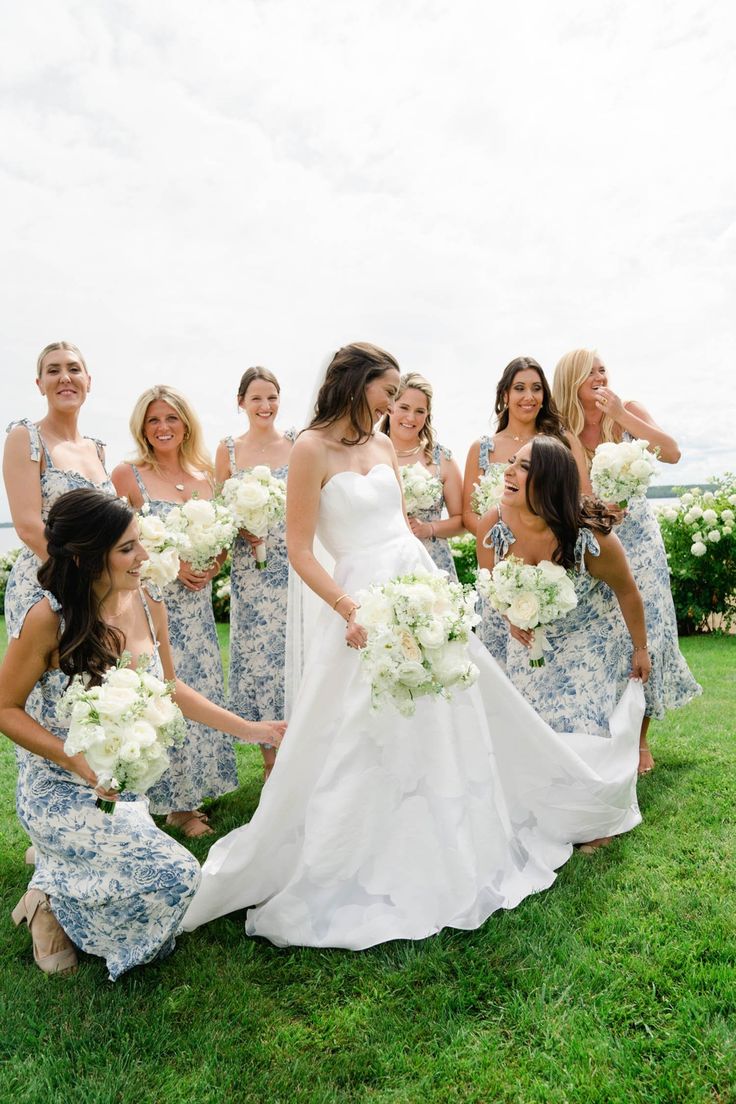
<point>373,826</point>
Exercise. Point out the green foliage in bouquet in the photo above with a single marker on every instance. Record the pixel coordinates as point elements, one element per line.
<point>466,561</point>
<point>700,539</point>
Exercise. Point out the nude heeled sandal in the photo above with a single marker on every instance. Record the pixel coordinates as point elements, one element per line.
<point>46,933</point>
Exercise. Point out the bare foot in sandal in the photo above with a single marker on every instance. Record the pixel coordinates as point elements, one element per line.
<point>192,823</point>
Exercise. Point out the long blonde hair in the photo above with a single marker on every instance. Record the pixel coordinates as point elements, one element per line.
<point>571,372</point>
<point>52,348</point>
<point>193,454</point>
<point>416,382</point>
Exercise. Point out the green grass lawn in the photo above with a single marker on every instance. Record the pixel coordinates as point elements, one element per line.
<point>617,985</point>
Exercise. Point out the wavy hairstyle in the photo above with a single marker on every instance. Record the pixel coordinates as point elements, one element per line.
<point>548,418</point>
<point>81,529</point>
<point>193,454</point>
<point>52,348</point>
<point>342,393</point>
<point>553,493</point>
<point>252,374</point>
<point>413,380</point>
<point>571,372</point>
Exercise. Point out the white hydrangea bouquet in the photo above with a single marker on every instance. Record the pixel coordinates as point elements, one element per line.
<point>162,546</point>
<point>123,727</point>
<point>422,490</point>
<point>622,471</point>
<point>257,499</point>
<point>205,528</point>
<point>418,630</point>
<point>529,596</point>
<point>487,492</point>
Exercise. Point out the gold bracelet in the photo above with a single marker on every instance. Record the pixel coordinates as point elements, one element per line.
<point>337,601</point>
<point>641,648</point>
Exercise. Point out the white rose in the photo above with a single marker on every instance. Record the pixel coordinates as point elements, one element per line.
<point>143,733</point>
<point>152,529</point>
<point>714,535</point>
<point>524,611</point>
<point>199,512</point>
<point>641,469</point>
<point>262,471</point>
<point>551,572</point>
<point>103,757</point>
<point>130,751</point>
<point>252,496</point>
<point>698,549</point>
<point>432,635</point>
<point>115,703</point>
<point>152,684</point>
<point>80,710</point>
<point>412,673</point>
<point>160,711</point>
<point>123,677</point>
<point>169,563</point>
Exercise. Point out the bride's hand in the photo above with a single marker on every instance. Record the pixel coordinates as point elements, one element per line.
<point>355,635</point>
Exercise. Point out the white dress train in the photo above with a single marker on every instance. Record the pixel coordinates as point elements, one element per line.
<point>373,826</point>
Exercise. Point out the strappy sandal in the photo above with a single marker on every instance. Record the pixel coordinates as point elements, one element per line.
<point>192,825</point>
<point>53,950</point>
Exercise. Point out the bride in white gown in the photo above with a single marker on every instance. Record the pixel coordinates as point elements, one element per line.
<point>373,826</point>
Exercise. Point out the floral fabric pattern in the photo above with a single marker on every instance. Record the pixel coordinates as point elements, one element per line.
<point>258,620</point>
<point>439,548</point>
<point>588,661</point>
<point>670,685</point>
<point>203,765</point>
<point>23,590</point>
<point>492,630</point>
<point>117,884</point>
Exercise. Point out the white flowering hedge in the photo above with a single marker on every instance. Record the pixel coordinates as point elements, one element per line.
<point>700,537</point>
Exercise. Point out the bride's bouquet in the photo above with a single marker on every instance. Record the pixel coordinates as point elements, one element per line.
<point>418,631</point>
<point>122,727</point>
<point>622,471</point>
<point>529,596</point>
<point>162,546</point>
<point>422,490</point>
<point>205,527</point>
<point>257,500</point>
<point>488,491</point>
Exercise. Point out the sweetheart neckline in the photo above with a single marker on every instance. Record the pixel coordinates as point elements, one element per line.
<point>360,475</point>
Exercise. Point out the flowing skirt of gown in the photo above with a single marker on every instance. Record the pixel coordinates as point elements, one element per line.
<point>374,826</point>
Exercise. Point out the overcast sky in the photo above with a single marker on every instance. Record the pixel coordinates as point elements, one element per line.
<point>191,188</point>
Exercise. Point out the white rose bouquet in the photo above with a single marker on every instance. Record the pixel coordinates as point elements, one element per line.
<point>162,546</point>
<point>530,596</point>
<point>621,471</point>
<point>418,631</point>
<point>487,492</point>
<point>257,500</point>
<point>205,527</point>
<point>422,490</point>
<point>123,727</point>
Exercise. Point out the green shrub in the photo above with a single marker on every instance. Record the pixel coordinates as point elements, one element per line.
<point>466,562</point>
<point>221,592</point>
<point>700,539</point>
<point>7,559</point>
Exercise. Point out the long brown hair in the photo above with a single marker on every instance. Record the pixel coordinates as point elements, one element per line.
<point>553,493</point>
<point>257,373</point>
<point>548,418</point>
<point>82,526</point>
<point>343,392</point>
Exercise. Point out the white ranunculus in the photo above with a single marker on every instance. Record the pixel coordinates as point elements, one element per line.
<point>640,468</point>
<point>123,677</point>
<point>411,673</point>
<point>698,549</point>
<point>524,611</point>
<point>431,635</point>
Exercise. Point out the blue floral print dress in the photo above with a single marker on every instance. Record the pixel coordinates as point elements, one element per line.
<point>117,884</point>
<point>204,764</point>
<point>492,630</point>
<point>23,590</point>
<point>587,665</point>
<point>670,685</point>
<point>258,599</point>
<point>438,547</point>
